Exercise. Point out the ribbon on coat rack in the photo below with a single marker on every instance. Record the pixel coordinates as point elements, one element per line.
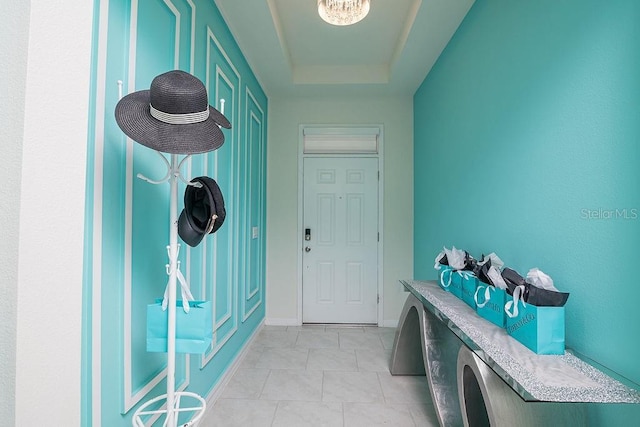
<point>184,286</point>
<point>184,290</point>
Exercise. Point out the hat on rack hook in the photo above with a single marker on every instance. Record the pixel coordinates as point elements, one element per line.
<point>173,116</point>
<point>203,211</point>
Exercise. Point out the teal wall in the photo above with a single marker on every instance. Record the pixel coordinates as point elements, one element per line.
<point>527,143</point>
<point>127,225</point>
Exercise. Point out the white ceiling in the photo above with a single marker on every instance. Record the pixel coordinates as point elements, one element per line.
<point>294,53</point>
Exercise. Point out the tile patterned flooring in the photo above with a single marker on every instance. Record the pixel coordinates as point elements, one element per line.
<point>321,375</point>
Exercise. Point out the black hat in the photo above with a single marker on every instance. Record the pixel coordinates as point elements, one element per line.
<point>203,211</point>
<point>173,116</point>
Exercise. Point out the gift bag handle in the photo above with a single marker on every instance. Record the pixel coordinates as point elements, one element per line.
<point>487,295</point>
<point>442,278</point>
<point>518,295</point>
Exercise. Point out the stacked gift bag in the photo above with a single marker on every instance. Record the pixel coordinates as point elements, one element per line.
<point>455,266</point>
<point>530,308</point>
<point>535,312</point>
<point>491,293</point>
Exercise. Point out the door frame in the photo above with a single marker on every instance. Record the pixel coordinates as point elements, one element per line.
<point>347,130</point>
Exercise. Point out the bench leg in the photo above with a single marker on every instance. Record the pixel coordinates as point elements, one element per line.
<point>407,355</point>
<point>424,345</point>
<point>486,400</point>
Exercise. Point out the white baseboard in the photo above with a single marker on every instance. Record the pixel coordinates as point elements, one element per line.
<point>393,323</point>
<point>390,323</point>
<point>281,322</point>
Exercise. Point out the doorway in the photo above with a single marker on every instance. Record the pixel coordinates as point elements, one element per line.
<point>340,224</point>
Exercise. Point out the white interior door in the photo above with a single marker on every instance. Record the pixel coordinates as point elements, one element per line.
<point>340,250</point>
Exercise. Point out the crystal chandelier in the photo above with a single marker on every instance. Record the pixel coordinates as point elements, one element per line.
<point>343,12</point>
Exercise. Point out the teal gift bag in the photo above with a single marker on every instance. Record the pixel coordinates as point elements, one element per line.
<point>468,285</point>
<point>194,330</point>
<point>541,329</point>
<point>456,283</point>
<point>444,276</point>
<point>490,303</point>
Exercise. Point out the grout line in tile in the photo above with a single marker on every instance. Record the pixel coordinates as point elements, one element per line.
<point>306,363</point>
<point>384,397</point>
<point>273,417</point>
<point>264,384</point>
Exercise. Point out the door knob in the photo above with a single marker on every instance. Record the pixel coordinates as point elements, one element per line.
<point>307,249</point>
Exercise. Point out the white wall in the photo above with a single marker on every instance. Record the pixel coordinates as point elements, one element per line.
<point>285,116</point>
<point>46,191</point>
<point>14,26</point>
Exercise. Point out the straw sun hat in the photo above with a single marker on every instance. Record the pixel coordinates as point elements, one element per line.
<point>173,116</point>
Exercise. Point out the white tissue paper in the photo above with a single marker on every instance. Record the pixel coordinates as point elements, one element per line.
<point>456,258</point>
<point>495,260</point>
<point>496,277</point>
<point>540,280</point>
<point>436,263</point>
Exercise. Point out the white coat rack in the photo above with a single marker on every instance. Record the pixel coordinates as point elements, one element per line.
<point>173,399</point>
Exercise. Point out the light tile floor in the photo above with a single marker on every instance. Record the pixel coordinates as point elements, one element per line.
<point>320,375</point>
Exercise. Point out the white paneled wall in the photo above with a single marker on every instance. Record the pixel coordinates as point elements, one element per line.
<point>129,226</point>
